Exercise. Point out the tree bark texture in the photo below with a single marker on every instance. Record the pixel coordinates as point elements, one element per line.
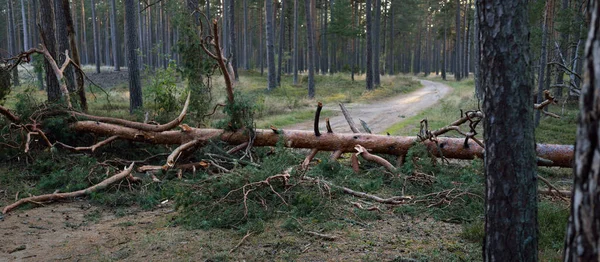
<point>47,24</point>
<point>272,80</point>
<point>13,49</point>
<point>80,88</point>
<point>511,185</point>
<point>583,231</point>
<point>96,38</point>
<point>296,42</point>
<point>369,51</point>
<point>114,36</point>
<point>376,43</point>
<point>62,42</point>
<point>458,57</point>
<point>310,36</point>
<point>135,87</point>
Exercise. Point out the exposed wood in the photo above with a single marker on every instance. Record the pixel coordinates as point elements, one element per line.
<point>373,158</point>
<point>309,158</point>
<point>59,196</point>
<point>90,148</point>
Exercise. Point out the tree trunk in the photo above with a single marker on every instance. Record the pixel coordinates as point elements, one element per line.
<point>466,47</point>
<point>354,42</point>
<point>24,23</point>
<point>14,50</point>
<point>310,39</point>
<point>479,90</point>
<point>391,45</point>
<point>114,35</point>
<point>62,41</point>
<point>281,38</point>
<point>444,53</point>
<point>261,43</point>
<point>376,43</point>
<point>96,38</point>
<point>47,24</point>
<point>245,47</point>
<point>296,42</point>
<point>583,237</point>
<point>75,54</point>
<point>458,57</point>
<point>272,77</point>
<point>511,229</point>
<point>135,88</point>
<point>542,67</point>
<point>231,38</point>
<point>35,33</point>
<point>369,51</point>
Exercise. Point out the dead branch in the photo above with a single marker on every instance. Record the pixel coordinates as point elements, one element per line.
<point>138,125</point>
<point>240,243</point>
<point>349,119</point>
<point>551,187</point>
<point>336,154</point>
<point>320,235</point>
<point>58,196</point>
<point>397,200</point>
<point>220,58</point>
<point>365,126</point>
<point>238,148</point>
<point>373,158</point>
<point>317,115</point>
<point>12,117</point>
<point>550,192</point>
<point>328,125</point>
<point>355,163</point>
<point>309,158</point>
<point>172,158</point>
<point>90,148</point>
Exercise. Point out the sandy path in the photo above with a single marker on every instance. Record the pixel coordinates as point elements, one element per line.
<point>382,114</point>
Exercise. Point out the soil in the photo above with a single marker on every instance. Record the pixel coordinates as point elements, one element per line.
<point>79,231</point>
<point>382,114</point>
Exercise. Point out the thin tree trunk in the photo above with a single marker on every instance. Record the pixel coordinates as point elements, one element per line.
<point>542,66</point>
<point>444,53</point>
<point>141,36</point>
<point>458,56</point>
<point>24,23</point>
<point>310,40</point>
<point>583,237</point>
<point>376,43</point>
<point>245,44</point>
<point>261,43</point>
<point>231,27</point>
<point>466,41</point>
<point>135,88</point>
<point>511,227</point>
<point>35,33</point>
<point>12,41</point>
<point>391,45</point>
<point>272,77</point>
<point>369,51</point>
<point>114,35</point>
<point>84,44</point>
<point>296,42</point>
<point>354,41</point>
<point>96,38</point>
<point>479,90</point>
<point>281,37</point>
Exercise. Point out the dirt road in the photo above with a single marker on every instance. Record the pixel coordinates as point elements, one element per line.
<point>382,114</point>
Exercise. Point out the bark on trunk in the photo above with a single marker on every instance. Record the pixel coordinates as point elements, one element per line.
<point>135,88</point>
<point>272,81</point>
<point>114,35</point>
<point>583,231</point>
<point>369,50</point>
<point>47,24</point>
<point>376,43</point>
<point>511,184</point>
<point>310,36</point>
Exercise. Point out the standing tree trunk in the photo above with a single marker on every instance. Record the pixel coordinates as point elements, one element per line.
<point>13,49</point>
<point>96,38</point>
<point>310,39</point>
<point>390,61</point>
<point>47,24</point>
<point>135,88</point>
<point>83,41</point>
<point>75,53</point>
<point>376,43</point>
<point>272,81</point>
<point>478,85</point>
<point>114,35</point>
<point>354,41</point>
<point>231,39</point>
<point>296,42</point>
<point>36,40</point>
<point>369,51</point>
<point>281,33</point>
<point>583,237</point>
<point>245,47</point>
<point>458,57</point>
<point>62,41</point>
<point>543,62</point>
<point>24,23</point>
<point>444,53</point>
<point>511,229</point>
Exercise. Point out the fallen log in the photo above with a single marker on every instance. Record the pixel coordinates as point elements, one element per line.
<point>559,155</point>
<point>57,196</point>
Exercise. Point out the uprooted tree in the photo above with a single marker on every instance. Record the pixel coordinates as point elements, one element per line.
<point>240,134</point>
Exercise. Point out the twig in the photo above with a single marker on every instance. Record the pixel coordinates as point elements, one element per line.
<point>91,148</point>
<point>237,148</point>
<point>240,243</point>
<point>319,235</point>
<point>397,200</point>
<point>551,187</point>
<point>329,129</point>
<point>57,196</point>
